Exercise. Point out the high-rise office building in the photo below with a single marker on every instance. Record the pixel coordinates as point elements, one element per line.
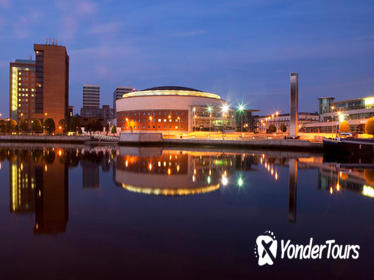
<point>52,82</point>
<point>22,90</point>
<point>118,92</point>
<point>91,101</point>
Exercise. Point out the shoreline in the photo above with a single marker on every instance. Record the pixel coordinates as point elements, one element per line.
<point>263,144</point>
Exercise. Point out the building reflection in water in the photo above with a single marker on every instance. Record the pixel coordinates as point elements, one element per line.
<point>38,178</point>
<point>171,172</point>
<point>39,183</point>
<point>338,177</point>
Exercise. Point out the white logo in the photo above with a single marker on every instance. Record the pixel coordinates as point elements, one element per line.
<point>266,248</point>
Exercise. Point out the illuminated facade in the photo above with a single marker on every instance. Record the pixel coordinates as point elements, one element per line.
<point>355,111</point>
<point>173,109</point>
<point>22,90</point>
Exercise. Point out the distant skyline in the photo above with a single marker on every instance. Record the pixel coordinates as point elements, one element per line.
<point>242,50</point>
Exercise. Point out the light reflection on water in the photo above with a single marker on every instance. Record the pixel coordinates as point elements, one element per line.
<point>39,180</point>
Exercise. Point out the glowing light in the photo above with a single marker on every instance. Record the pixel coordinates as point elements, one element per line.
<point>369,101</point>
<point>368,191</point>
<point>276,175</point>
<point>193,178</point>
<point>59,153</point>
<point>127,163</point>
<point>224,180</point>
<point>150,166</point>
<point>331,190</point>
<point>240,182</point>
<point>241,107</point>
<point>169,171</point>
<point>341,116</point>
<point>171,192</point>
<point>209,108</point>
<point>208,179</point>
<point>337,186</point>
<point>170,92</point>
<point>225,108</point>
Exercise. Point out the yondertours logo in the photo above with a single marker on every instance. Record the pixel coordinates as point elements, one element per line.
<point>266,249</point>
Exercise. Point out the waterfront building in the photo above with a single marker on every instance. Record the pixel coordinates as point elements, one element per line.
<point>91,102</point>
<point>107,113</point>
<point>263,122</point>
<point>245,121</point>
<point>119,92</point>
<point>171,108</point>
<point>355,111</point>
<point>52,82</point>
<point>22,90</point>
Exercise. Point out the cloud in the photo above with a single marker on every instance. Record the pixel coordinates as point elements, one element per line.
<point>73,12</point>
<point>5,4</point>
<point>23,23</point>
<point>86,7</point>
<point>104,28</point>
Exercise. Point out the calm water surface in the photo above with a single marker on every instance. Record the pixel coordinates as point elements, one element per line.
<point>153,213</point>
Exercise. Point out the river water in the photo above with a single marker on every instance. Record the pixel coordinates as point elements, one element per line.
<point>74,212</point>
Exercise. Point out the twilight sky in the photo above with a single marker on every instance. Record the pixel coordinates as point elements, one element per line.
<point>242,50</point>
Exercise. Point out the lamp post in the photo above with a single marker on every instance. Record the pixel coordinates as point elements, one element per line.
<point>224,109</point>
<point>241,108</point>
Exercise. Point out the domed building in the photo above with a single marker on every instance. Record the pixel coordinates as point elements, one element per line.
<point>171,108</point>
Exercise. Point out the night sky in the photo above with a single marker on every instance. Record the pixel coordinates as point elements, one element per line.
<point>242,50</point>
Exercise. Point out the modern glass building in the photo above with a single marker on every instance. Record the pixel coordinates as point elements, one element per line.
<point>355,111</point>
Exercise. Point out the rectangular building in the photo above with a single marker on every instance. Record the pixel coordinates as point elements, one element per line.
<point>118,92</point>
<point>356,111</point>
<point>91,101</point>
<point>52,82</point>
<point>22,90</point>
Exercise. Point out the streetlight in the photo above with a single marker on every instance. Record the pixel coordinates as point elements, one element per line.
<point>241,108</point>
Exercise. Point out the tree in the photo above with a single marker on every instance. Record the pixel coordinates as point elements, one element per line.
<point>107,128</point>
<point>283,127</point>
<point>49,125</point>
<point>74,124</point>
<point>344,126</point>
<point>3,126</point>
<point>24,125</point>
<point>272,128</point>
<point>36,126</point>
<point>11,126</point>
<point>62,123</point>
<point>114,129</point>
<point>369,126</point>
